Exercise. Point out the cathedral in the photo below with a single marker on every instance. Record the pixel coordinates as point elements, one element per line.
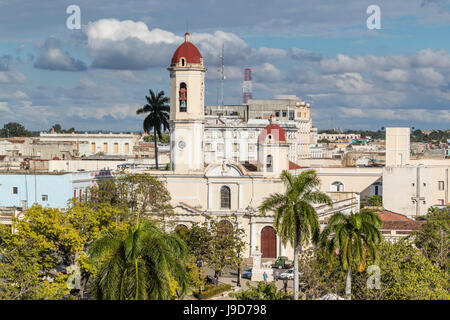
<point>224,189</point>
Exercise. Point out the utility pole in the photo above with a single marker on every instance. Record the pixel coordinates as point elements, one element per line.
<point>223,70</point>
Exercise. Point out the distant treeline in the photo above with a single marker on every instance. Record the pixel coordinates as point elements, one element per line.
<point>416,135</point>
<point>15,129</point>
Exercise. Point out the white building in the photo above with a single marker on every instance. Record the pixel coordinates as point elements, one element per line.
<point>409,187</point>
<point>397,146</point>
<point>412,189</point>
<point>338,136</point>
<point>113,144</point>
<point>234,139</point>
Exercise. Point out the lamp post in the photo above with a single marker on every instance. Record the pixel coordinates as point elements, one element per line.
<point>239,271</point>
<point>199,265</point>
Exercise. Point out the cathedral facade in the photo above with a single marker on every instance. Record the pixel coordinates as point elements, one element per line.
<point>225,189</point>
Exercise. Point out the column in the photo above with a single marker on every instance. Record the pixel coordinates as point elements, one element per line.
<point>209,195</point>
<point>252,236</point>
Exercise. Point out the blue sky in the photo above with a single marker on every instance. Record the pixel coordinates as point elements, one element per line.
<point>321,51</point>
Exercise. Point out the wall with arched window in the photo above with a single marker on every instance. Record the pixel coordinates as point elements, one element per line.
<point>225,197</point>
<point>269,163</point>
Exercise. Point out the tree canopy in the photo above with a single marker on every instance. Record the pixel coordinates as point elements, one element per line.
<point>14,129</point>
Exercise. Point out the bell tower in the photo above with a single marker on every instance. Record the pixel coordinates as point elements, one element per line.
<point>187,86</point>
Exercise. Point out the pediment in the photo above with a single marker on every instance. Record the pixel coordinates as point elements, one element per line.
<point>224,170</point>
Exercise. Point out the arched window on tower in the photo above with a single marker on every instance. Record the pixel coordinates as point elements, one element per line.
<point>225,197</point>
<point>337,186</point>
<point>269,164</point>
<point>183,97</point>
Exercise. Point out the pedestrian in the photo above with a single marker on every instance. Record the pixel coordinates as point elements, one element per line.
<point>277,274</point>
<point>265,276</point>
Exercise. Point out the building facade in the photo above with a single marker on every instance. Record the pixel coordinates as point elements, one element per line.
<point>49,190</point>
<point>111,144</point>
<point>225,188</point>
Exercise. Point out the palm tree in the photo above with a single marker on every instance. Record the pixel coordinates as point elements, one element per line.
<point>139,265</point>
<point>296,219</point>
<point>158,116</point>
<point>352,238</point>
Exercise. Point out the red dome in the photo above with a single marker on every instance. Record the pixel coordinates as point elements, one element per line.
<point>188,51</point>
<point>277,132</point>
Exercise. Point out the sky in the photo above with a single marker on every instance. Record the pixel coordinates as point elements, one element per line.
<point>97,76</point>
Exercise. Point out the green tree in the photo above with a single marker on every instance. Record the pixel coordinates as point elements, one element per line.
<point>26,270</point>
<point>158,116</point>
<point>434,237</point>
<point>140,265</point>
<point>352,238</point>
<point>165,138</point>
<point>52,240</point>
<point>14,129</point>
<point>57,128</point>
<point>138,194</point>
<point>217,242</point>
<point>375,201</point>
<point>405,274</point>
<point>295,218</point>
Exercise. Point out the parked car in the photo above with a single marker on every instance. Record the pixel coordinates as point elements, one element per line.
<point>247,274</point>
<point>282,263</point>
<point>288,274</point>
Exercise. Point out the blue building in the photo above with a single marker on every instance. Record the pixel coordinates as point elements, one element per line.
<point>52,190</point>
<point>447,150</point>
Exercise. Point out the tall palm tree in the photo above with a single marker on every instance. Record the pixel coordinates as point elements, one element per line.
<point>138,265</point>
<point>351,239</point>
<point>296,219</point>
<point>158,117</point>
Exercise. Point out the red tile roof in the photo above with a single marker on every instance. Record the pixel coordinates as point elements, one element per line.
<point>397,221</point>
<point>386,215</point>
<point>277,132</point>
<point>293,166</point>
<point>188,51</point>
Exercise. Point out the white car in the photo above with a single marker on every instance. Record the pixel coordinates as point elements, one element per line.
<point>288,274</point>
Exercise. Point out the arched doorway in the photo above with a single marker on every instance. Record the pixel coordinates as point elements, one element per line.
<point>182,231</point>
<point>268,242</point>
<point>181,228</point>
<point>225,227</point>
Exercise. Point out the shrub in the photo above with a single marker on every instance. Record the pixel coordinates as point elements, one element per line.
<point>263,291</point>
<point>212,290</point>
<point>375,201</point>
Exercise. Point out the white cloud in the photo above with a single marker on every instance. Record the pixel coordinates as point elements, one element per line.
<point>267,72</point>
<point>4,106</point>
<point>425,115</point>
<point>51,57</point>
<point>429,77</point>
<point>130,45</point>
<point>394,75</point>
<point>12,76</point>
<point>115,30</point>
<point>116,111</point>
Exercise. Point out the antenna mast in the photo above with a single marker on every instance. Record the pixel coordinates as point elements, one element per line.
<point>247,86</point>
<point>223,69</point>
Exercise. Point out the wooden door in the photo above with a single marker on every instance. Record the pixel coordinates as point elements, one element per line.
<point>268,243</point>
